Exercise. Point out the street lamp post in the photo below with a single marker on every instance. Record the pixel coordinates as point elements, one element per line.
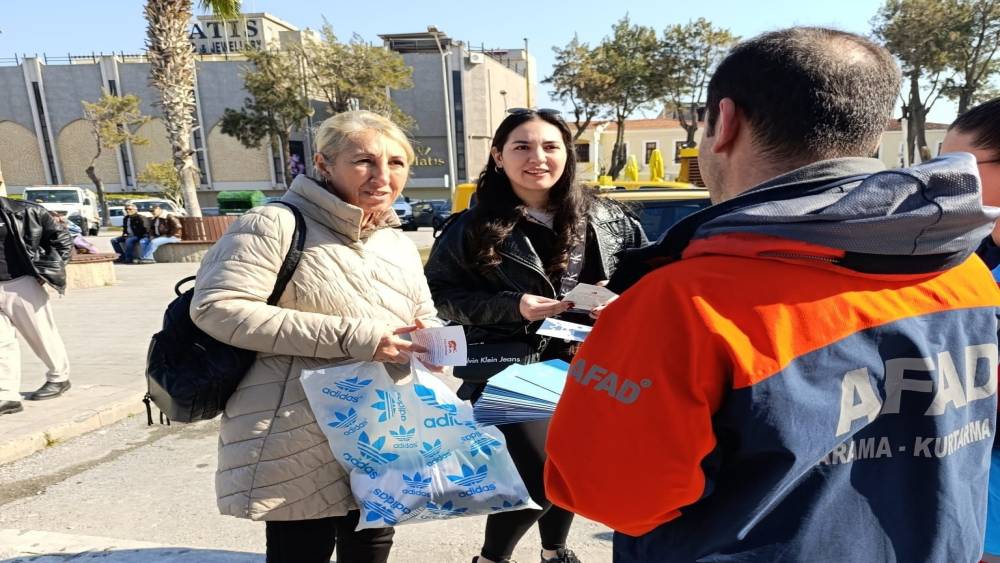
<point>447,109</point>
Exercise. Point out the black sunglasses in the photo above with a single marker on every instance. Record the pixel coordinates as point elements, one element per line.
<point>540,111</point>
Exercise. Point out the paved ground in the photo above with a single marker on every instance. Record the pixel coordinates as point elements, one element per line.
<point>83,478</point>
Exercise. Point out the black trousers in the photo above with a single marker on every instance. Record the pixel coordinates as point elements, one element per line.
<point>313,541</point>
<point>526,443</point>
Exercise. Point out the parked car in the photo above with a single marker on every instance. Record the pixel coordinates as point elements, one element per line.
<point>659,208</point>
<point>405,213</point>
<point>431,212</point>
<point>77,204</point>
<point>117,214</point>
<point>145,206</point>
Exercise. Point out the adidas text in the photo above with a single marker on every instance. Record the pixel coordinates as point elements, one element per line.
<point>337,394</point>
<point>473,491</point>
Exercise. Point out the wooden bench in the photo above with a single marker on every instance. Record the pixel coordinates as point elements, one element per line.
<point>90,270</point>
<point>197,236</point>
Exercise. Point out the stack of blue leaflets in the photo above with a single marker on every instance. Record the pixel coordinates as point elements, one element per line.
<point>522,393</point>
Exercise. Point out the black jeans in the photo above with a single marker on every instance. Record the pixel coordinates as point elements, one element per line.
<point>313,541</point>
<point>526,443</point>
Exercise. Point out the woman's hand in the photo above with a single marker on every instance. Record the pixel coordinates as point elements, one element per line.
<point>393,349</point>
<point>597,310</point>
<point>536,307</point>
<point>430,367</point>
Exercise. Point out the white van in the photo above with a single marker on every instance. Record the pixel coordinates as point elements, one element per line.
<point>77,204</point>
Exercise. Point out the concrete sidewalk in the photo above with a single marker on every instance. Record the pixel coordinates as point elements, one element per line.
<point>19,546</point>
<point>106,331</point>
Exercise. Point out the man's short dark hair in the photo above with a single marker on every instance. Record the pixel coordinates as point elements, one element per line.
<point>809,93</point>
<point>983,123</point>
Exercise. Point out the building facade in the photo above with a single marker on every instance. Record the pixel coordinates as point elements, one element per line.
<point>44,138</point>
<point>642,136</point>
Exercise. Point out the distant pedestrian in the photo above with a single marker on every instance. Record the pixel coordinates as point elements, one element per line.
<point>134,229</point>
<point>164,228</point>
<point>33,251</point>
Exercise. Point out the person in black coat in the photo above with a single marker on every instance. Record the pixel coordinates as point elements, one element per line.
<point>135,227</point>
<point>503,266</point>
<point>34,250</point>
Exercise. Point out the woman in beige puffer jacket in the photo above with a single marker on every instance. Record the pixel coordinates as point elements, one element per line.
<point>358,286</point>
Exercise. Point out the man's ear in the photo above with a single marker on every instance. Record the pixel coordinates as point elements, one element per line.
<point>727,126</point>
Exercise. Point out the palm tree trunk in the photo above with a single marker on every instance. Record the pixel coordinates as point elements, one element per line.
<point>171,70</point>
<point>3,185</point>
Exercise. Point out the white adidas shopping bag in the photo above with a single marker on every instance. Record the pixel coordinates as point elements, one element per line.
<point>414,451</point>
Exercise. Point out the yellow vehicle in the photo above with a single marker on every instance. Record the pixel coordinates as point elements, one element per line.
<point>659,208</point>
<point>463,197</point>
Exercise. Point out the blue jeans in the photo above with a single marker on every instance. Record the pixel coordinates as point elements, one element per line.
<point>149,246</point>
<point>123,245</point>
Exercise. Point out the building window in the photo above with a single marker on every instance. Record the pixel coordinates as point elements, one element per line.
<point>939,147</point>
<point>582,152</point>
<point>126,166</point>
<point>650,147</point>
<point>678,145</point>
<point>459,116</point>
<point>199,155</point>
<point>112,88</point>
<point>46,141</point>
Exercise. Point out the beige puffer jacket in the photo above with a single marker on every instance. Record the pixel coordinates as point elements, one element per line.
<point>350,285</point>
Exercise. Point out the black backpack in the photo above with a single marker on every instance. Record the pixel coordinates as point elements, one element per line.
<point>189,374</point>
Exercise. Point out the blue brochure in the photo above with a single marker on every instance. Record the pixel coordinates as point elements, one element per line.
<point>522,393</point>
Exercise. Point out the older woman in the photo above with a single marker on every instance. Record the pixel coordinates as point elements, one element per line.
<point>358,286</point>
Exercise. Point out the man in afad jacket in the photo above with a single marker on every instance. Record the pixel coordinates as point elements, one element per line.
<point>33,252</point>
<point>807,369</point>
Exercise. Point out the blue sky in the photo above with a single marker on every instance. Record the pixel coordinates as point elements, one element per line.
<point>58,27</point>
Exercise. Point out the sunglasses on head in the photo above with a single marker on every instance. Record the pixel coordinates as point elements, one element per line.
<point>540,111</point>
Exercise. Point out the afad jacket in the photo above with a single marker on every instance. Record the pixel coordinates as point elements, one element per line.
<point>808,373</point>
<point>43,243</point>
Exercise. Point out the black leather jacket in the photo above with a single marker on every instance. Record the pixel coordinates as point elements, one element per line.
<point>45,243</point>
<point>488,304</point>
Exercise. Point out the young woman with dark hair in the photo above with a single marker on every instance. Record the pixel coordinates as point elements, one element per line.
<point>502,267</point>
<point>977,131</point>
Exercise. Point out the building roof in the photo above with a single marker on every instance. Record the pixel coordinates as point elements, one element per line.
<point>657,123</point>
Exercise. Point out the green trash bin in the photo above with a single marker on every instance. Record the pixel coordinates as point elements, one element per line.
<point>238,202</point>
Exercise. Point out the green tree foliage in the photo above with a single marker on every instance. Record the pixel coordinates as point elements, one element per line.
<point>631,58</point>
<point>355,75</point>
<point>945,47</point>
<point>576,81</point>
<point>974,57</point>
<point>690,54</point>
<point>276,104</point>
<point>113,121</point>
<point>163,175</point>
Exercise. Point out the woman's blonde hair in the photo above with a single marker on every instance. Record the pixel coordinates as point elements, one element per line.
<point>338,131</point>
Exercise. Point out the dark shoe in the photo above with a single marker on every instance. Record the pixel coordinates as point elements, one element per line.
<point>563,555</point>
<point>10,407</point>
<point>50,390</point>
<point>476,560</point>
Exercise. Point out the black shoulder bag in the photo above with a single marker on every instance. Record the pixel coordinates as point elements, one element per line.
<point>189,374</point>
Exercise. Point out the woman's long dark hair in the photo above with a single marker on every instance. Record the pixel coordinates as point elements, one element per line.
<point>498,209</point>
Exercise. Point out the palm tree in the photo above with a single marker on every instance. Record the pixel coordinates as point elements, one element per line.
<point>171,62</point>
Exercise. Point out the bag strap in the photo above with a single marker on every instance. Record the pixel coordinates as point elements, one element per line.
<point>294,254</point>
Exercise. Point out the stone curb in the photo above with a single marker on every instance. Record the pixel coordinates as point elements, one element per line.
<point>87,421</point>
<point>52,547</point>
